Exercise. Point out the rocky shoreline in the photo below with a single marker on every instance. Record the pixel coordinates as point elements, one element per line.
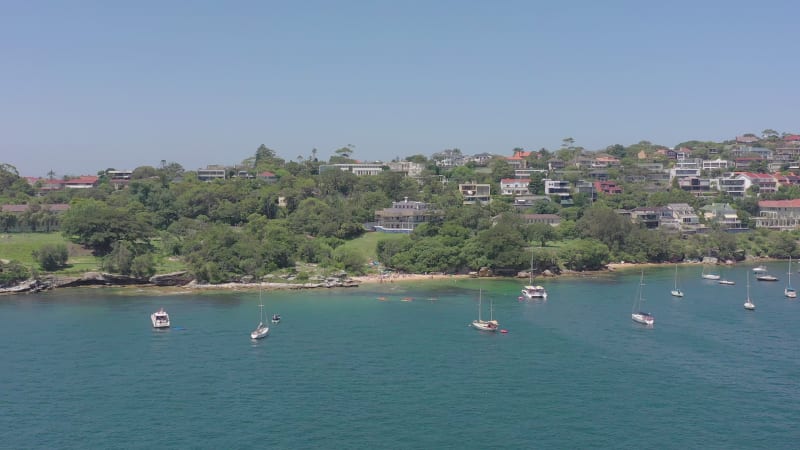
<point>175,279</point>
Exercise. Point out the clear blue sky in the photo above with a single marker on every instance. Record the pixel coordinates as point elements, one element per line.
<point>86,86</point>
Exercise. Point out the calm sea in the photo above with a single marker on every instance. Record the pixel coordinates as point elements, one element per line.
<point>83,368</point>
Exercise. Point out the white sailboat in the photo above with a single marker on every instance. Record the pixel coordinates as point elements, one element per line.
<point>262,330</point>
<point>485,325</point>
<point>637,315</point>
<point>532,291</point>
<point>748,304</point>
<point>789,291</point>
<point>676,292</point>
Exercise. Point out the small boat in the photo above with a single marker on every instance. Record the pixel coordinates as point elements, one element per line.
<point>760,269</point>
<point>789,291</point>
<point>485,325</point>
<point>261,330</point>
<point>160,319</point>
<point>676,292</point>
<point>748,304</point>
<point>276,318</point>
<point>637,315</point>
<point>726,282</point>
<point>532,291</point>
<point>709,276</point>
<point>767,277</point>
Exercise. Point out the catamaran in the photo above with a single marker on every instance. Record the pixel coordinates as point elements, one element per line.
<point>532,291</point>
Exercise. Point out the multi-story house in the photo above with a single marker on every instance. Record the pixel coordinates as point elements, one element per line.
<point>778,214</point>
<point>550,219</point>
<point>680,216</point>
<point>519,159</point>
<point>732,184</point>
<point>560,188</point>
<point>404,217</point>
<point>358,169</point>
<point>81,182</point>
<point>410,168</point>
<point>515,186</point>
<point>696,185</point>
<point>608,187</point>
<point>212,172</point>
<point>685,168</point>
<point>475,193</point>
<point>650,217</point>
<point>766,183</point>
<point>724,215</point>
<point>761,152</point>
<point>715,164</point>
<point>119,178</point>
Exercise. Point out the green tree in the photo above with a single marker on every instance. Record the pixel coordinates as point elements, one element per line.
<point>541,232</point>
<point>97,225</point>
<point>51,256</point>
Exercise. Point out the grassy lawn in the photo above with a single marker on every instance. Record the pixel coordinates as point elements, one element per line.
<point>19,247</point>
<point>366,243</point>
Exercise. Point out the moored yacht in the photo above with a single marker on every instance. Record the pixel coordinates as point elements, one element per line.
<point>160,319</point>
<point>531,292</point>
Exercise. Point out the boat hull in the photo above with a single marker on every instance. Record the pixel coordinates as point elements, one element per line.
<point>484,325</point>
<point>534,292</point>
<point>676,293</point>
<point>710,276</point>
<point>749,306</point>
<point>260,332</point>
<point>643,318</point>
<point>767,278</point>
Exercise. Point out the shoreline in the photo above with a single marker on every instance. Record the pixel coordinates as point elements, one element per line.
<point>370,279</point>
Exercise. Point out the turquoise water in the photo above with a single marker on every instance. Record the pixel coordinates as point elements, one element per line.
<point>83,368</point>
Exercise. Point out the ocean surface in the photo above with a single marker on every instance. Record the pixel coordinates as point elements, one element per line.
<point>397,366</point>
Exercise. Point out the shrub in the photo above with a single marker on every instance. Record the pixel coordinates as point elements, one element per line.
<point>51,256</point>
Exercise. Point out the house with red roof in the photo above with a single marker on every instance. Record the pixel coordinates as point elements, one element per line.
<point>607,187</point>
<point>81,182</point>
<point>778,214</point>
<point>519,159</point>
<point>764,181</point>
<point>746,139</point>
<point>791,138</point>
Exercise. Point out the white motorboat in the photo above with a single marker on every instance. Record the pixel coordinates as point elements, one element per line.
<point>160,319</point>
<point>709,276</point>
<point>726,282</point>
<point>262,330</point>
<point>676,291</point>
<point>485,325</point>
<point>760,269</point>
<point>276,318</point>
<point>767,277</point>
<point>637,315</point>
